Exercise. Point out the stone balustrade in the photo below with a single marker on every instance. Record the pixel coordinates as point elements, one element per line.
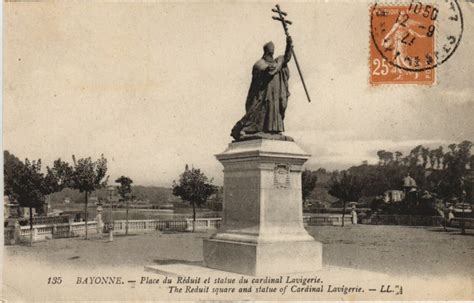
<point>21,234</point>
<point>458,222</point>
<point>326,219</point>
<point>405,220</point>
<point>171,225</point>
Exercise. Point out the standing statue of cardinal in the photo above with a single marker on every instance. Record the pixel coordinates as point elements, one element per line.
<point>267,97</point>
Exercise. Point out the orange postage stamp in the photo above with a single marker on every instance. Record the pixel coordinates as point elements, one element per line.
<point>409,41</point>
<point>403,42</point>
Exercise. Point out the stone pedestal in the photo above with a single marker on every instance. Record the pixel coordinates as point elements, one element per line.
<point>262,230</point>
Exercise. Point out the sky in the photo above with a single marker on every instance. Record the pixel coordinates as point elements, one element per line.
<point>154,86</point>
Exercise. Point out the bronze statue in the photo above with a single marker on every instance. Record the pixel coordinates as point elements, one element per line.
<point>267,98</point>
<point>268,95</point>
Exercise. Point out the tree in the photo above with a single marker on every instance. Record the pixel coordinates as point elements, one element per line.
<point>27,185</point>
<point>464,153</point>
<point>308,183</point>
<point>88,176</point>
<point>447,182</point>
<point>398,157</point>
<point>58,176</point>
<point>388,158</point>
<point>345,187</point>
<point>457,166</point>
<point>432,158</point>
<point>193,187</point>
<point>124,190</point>
<point>381,155</point>
<point>439,157</point>
<point>385,157</point>
<point>414,156</point>
<point>425,153</point>
<point>11,168</point>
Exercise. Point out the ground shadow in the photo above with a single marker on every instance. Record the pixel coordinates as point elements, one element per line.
<point>176,261</point>
<point>170,232</point>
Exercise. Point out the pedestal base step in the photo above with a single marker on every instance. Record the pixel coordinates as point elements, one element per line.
<point>263,258</point>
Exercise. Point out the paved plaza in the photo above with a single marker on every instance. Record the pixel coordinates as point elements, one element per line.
<point>421,253</point>
<point>386,249</point>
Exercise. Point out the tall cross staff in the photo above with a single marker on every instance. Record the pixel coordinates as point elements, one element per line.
<point>284,22</point>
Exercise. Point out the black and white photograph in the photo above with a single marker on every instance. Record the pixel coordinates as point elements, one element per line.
<point>238,150</point>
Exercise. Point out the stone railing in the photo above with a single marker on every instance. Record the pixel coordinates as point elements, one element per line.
<point>48,220</point>
<point>326,219</point>
<point>21,234</point>
<point>458,222</point>
<point>204,223</point>
<point>405,220</point>
<point>164,225</point>
<point>135,226</point>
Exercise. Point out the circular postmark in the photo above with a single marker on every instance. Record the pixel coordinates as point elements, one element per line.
<point>416,36</point>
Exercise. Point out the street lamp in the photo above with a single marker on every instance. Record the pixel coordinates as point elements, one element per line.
<point>110,190</point>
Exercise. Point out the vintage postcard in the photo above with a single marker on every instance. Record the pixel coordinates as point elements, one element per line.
<point>238,150</point>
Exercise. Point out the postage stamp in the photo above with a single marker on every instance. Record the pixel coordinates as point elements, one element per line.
<point>409,40</point>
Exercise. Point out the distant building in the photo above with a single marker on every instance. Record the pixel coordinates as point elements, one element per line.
<point>409,181</point>
<point>390,196</point>
<point>409,184</point>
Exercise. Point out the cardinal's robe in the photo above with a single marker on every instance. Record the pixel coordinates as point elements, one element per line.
<point>267,98</point>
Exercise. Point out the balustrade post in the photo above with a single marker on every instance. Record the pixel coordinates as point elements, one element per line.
<point>69,225</point>
<point>15,225</point>
<point>16,233</point>
<point>35,234</point>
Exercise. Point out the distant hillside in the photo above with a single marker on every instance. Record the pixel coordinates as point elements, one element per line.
<point>156,195</point>
<point>153,194</point>
<point>162,195</point>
